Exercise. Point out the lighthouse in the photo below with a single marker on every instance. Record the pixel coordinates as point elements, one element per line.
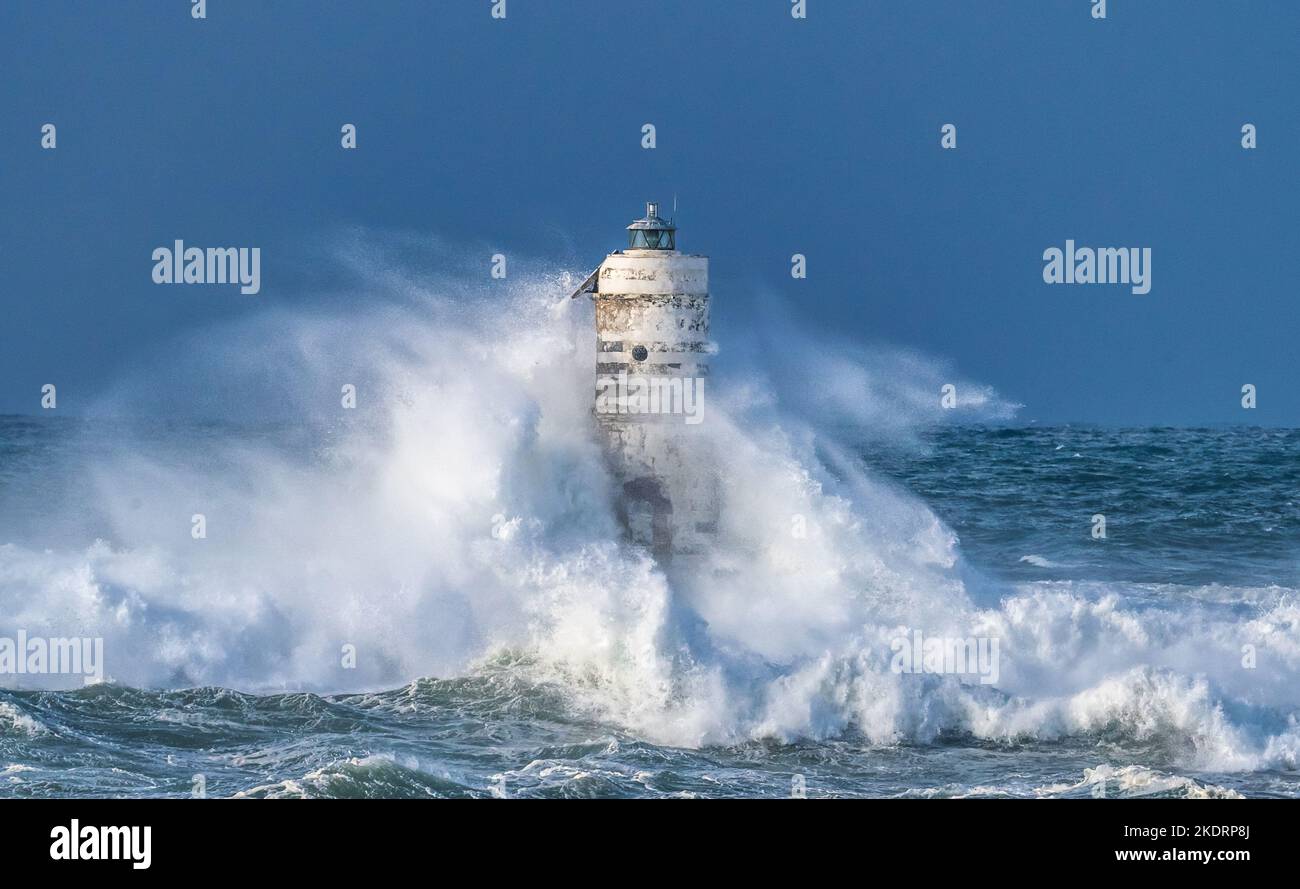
<point>651,410</point>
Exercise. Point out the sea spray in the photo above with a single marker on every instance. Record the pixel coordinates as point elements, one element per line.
<point>459,520</point>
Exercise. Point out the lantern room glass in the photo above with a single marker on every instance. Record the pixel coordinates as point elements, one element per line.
<point>650,239</point>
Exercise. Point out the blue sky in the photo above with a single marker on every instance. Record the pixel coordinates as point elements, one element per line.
<point>778,136</point>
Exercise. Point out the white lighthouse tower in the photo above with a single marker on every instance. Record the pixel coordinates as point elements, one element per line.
<point>652,348</point>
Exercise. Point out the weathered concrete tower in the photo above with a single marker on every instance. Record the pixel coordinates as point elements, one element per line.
<point>652,348</point>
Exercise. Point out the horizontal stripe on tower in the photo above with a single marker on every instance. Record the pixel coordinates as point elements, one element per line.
<point>647,369</point>
<point>610,345</point>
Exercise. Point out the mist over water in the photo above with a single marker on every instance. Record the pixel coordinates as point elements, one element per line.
<point>459,524</point>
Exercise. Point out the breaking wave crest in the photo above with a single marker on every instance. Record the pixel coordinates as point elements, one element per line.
<point>459,520</point>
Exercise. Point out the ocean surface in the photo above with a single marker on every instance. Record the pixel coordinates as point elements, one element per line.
<point>570,666</point>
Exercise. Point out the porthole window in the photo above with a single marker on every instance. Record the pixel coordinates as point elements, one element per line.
<point>640,353</point>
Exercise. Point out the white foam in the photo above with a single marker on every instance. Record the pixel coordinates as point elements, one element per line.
<point>14,721</point>
<point>1137,781</point>
<point>463,511</point>
<point>1039,561</point>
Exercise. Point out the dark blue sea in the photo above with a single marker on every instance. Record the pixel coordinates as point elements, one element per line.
<point>399,612</point>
